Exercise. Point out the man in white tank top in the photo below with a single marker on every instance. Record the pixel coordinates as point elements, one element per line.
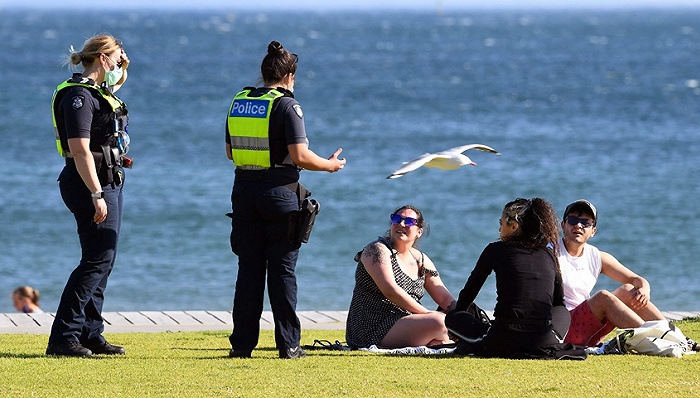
<point>594,316</point>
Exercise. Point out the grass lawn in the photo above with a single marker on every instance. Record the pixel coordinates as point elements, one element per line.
<point>196,364</point>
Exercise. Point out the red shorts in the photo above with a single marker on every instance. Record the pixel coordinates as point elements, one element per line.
<point>585,328</point>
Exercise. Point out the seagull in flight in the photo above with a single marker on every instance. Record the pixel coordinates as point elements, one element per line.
<point>446,160</point>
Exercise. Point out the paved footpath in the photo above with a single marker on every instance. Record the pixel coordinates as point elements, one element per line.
<point>174,321</point>
<point>168,321</point>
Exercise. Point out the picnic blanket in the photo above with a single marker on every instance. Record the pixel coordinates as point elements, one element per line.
<point>419,350</point>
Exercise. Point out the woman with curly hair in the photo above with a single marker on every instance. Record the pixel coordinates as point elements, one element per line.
<point>530,317</point>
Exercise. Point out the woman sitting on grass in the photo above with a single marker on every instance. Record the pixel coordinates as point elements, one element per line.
<point>530,318</point>
<point>391,277</point>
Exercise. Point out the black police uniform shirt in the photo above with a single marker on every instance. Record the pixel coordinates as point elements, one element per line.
<point>85,114</point>
<point>286,126</point>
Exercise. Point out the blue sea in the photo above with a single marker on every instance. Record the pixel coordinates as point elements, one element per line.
<point>603,105</point>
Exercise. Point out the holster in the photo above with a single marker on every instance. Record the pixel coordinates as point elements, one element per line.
<point>301,222</point>
<point>107,165</point>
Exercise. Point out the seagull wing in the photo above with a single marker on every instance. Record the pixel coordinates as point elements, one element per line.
<point>481,147</point>
<point>412,165</point>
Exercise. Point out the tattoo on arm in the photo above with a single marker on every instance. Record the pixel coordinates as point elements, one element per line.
<point>374,253</point>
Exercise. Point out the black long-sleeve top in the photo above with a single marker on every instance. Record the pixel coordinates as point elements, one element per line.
<point>528,283</point>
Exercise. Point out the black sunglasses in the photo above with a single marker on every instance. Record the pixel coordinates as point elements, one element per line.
<point>574,221</point>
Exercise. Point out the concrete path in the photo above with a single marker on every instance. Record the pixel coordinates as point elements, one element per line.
<point>168,321</point>
<point>174,321</point>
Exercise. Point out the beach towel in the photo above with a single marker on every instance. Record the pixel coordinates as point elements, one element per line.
<point>419,350</point>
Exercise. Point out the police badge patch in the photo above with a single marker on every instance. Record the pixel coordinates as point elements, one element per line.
<point>78,101</point>
<point>299,112</point>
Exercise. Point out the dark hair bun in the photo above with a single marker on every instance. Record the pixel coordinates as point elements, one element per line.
<point>275,48</point>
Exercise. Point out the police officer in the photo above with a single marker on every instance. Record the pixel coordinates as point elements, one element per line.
<point>90,123</point>
<point>266,139</point>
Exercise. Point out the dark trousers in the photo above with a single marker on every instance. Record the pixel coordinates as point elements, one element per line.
<point>79,313</point>
<point>259,239</point>
<point>527,339</point>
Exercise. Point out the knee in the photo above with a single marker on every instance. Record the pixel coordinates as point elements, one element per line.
<point>606,296</point>
<point>625,293</point>
<point>604,299</point>
<point>624,290</point>
<point>437,321</point>
<point>628,287</point>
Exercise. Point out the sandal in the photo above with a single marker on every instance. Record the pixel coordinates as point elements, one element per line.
<point>327,345</point>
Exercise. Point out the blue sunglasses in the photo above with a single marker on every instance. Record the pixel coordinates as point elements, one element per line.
<point>407,221</point>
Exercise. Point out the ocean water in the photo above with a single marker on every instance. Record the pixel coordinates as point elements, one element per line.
<point>603,105</point>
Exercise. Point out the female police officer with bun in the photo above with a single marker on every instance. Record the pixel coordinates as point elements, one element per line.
<point>266,139</point>
<point>90,123</point>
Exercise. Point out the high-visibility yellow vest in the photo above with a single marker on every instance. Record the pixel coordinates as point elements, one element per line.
<point>249,126</point>
<point>118,107</point>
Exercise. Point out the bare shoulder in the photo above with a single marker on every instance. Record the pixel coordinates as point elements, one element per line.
<point>375,252</point>
<point>427,262</point>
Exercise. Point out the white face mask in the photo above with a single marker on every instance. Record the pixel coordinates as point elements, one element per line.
<point>113,76</point>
